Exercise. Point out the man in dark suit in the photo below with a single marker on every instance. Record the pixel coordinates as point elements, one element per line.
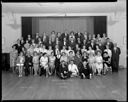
<point>36,38</point>
<point>115,58</point>
<point>79,35</point>
<point>109,43</point>
<point>29,39</point>
<point>79,42</point>
<point>92,44</point>
<point>64,35</point>
<point>65,42</point>
<point>72,44</point>
<point>45,39</point>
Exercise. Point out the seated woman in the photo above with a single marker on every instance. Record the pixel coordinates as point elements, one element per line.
<point>44,64</point>
<point>49,51</point>
<point>64,58</point>
<point>99,62</point>
<point>91,61</point>
<point>63,71</point>
<point>85,71</point>
<point>71,56</point>
<point>72,68</point>
<point>20,63</point>
<point>52,63</point>
<point>35,61</point>
<point>28,64</point>
<point>106,62</point>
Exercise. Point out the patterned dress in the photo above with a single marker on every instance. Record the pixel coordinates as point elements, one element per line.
<point>13,57</point>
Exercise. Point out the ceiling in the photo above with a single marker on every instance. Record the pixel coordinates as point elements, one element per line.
<point>79,7</point>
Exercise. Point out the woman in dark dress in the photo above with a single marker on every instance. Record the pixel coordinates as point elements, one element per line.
<point>106,62</point>
<point>63,71</point>
<point>85,71</point>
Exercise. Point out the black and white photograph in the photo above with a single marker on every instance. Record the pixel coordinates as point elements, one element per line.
<point>64,51</point>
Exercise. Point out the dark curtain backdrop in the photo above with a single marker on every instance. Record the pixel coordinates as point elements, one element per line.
<point>60,24</point>
<point>100,25</point>
<point>26,26</point>
<point>91,24</point>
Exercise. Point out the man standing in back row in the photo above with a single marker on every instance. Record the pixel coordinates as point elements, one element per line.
<point>115,58</point>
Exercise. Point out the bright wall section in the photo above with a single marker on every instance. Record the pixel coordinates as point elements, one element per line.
<point>117,33</point>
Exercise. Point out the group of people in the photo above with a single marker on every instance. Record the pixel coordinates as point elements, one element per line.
<point>66,55</point>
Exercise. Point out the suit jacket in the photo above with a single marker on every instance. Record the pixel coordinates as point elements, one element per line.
<point>77,61</point>
<point>81,36</point>
<point>45,40</point>
<point>92,45</point>
<point>110,45</point>
<point>62,69</point>
<point>28,61</point>
<point>72,44</point>
<point>62,44</point>
<point>57,63</point>
<point>84,70</point>
<point>63,36</point>
<point>115,54</point>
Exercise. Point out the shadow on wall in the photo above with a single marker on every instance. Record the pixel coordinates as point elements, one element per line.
<point>15,25</point>
<point>112,22</point>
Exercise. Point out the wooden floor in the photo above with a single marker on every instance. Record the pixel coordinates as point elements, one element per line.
<point>111,86</point>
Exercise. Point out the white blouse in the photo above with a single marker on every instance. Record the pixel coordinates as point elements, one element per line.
<point>99,59</point>
<point>44,61</point>
<point>73,68</point>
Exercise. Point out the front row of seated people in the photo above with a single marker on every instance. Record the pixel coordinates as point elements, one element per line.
<point>63,65</point>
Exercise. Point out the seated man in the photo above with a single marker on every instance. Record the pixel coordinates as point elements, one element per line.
<point>73,69</point>
<point>63,71</point>
<point>85,71</point>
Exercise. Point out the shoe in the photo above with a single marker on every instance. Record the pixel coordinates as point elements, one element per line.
<point>90,76</point>
<point>20,75</point>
